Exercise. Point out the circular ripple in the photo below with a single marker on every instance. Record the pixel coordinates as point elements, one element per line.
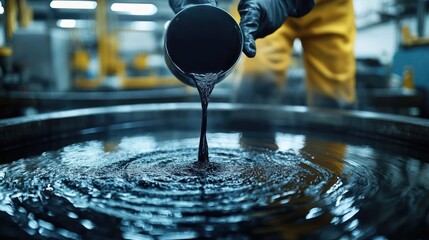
<point>133,191</point>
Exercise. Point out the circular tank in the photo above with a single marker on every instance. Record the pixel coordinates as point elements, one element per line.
<point>129,172</point>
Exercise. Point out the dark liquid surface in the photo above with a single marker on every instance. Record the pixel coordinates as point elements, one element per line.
<point>275,185</point>
<point>205,84</point>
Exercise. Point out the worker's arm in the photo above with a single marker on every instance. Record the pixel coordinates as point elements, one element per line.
<point>178,5</point>
<point>260,18</point>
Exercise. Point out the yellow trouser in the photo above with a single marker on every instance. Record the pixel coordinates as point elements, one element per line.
<point>327,35</point>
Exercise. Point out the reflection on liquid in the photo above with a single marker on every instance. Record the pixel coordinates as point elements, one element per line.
<point>269,184</point>
<point>326,154</point>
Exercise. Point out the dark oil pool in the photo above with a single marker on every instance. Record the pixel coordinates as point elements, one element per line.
<point>280,186</point>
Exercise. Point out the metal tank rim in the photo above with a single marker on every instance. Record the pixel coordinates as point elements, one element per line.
<point>17,131</point>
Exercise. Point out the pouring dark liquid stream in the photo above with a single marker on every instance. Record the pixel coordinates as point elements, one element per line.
<point>205,84</point>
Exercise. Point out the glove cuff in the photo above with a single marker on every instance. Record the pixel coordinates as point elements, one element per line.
<point>299,8</point>
<point>178,5</point>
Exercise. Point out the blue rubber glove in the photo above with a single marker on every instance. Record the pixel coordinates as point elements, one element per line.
<point>260,18</point>
<point>178,5</point>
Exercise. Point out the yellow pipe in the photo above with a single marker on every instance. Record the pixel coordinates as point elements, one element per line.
<point>25,13</point>
<point>408,78</point>
<point>87,83</point>
<point>5,52</point>
<point>408,39</point>
<point>101,27</point>
<point>11,14</point>
<point>149,82</point>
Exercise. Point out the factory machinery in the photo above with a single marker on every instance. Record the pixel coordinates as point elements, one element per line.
<point>61,57</point>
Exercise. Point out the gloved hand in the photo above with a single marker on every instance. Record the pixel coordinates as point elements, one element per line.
<point>260,18</point>
<point>178,5</point>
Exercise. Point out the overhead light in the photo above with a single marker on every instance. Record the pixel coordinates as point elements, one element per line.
<point>1,9</point>
<point>66,23</point>
<point>146,9</point>
<point>73,23</point>
<point>73,4</point>
<point>144,25</point>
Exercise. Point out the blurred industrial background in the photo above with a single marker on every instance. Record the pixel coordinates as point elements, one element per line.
<point>72,54</point>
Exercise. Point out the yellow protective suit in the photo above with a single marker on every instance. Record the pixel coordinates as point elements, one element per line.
<point>327,35</point>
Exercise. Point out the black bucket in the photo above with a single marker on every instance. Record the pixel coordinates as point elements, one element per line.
<point>202,39</point>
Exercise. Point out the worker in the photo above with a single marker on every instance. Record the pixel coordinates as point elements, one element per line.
<point>327,34</point>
